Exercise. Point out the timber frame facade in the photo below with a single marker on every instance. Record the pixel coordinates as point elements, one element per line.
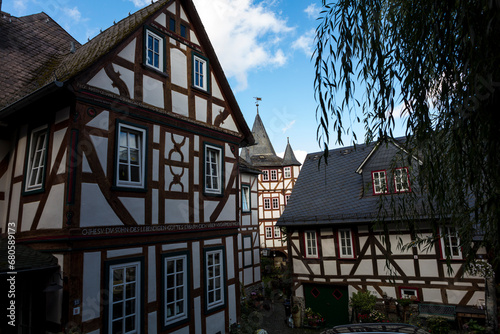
<point>119,161</point>
<point>336,248</point>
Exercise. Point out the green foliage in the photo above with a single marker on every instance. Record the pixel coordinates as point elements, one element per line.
<point>437,62</point>
<point>438,325</point>
<point>473,327</point>
<point>363,301</point>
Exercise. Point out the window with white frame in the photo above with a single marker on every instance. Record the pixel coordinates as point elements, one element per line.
<point>379,181</point>
<point>277,232</point>
<point>213,169</point>
<point>311,244</point>
<point>274,175</point>
<point>265,175</point>
<point>408,293</point>
<point>37,156</point>
<point>269,232</point>
<point>175,289</point>
<point>154,50</point>
<point>124,308</point>
<point>450,243</point>
<point>245,198</point>
<point>131,149</point>
<point>276,203</point>
<point>214,267</point>
<point>401,180</point>
<point>287,172</point>
<point>346,244</point>
<point>200,72</point>
<point>267,204</point>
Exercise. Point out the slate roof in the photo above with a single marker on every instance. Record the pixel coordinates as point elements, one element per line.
<point>29,47</point>
<point>289,158</point>
<point>262,154</point>
<point>26,258</point>
<point>332,193</point>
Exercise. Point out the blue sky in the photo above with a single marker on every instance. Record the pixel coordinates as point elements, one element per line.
<point>264,47</point>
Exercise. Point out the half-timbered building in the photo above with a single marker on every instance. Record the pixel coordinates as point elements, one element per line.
<point>119,176</point>
<point>336,248</point>
<point>275,186</point>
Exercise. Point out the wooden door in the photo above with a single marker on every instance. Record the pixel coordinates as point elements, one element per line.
<point>331,301</point>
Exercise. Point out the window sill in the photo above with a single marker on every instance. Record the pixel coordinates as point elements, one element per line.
<point>130,189</point>
<point>150,68</point>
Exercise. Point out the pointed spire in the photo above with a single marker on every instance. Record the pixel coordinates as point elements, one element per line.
<point>262,153</point>
<point>289,157</point>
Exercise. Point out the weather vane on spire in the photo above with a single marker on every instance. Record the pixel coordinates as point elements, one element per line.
<point>257,99</point>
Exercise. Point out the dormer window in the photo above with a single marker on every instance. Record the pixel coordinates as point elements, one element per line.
<point>401,180</point>
<point>154,50</point>
<point>379,181</point>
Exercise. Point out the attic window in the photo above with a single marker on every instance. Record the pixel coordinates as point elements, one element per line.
<point>401,180</point>
<point>154,50</point>
<point>200,72</point>
<point>379,181</point>
<point>172,24</point>
<point>183,31</point>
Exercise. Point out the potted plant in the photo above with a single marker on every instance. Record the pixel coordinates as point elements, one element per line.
<point>363,302</point>
<point>313,319</point>
<point>297,319</point>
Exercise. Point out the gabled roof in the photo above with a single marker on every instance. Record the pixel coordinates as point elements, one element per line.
<point>56,63</point>
<point>333,193</point>
<point>262,154</point>
<point>29,47</point>
<point>289,157</point>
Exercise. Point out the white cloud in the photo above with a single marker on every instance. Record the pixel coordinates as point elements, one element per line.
<point>288,126</point>
<point>72,14</point>
<point>305,43</point>
<point>141,3</point>
<point>245,35</point>
<point>312,11</point>
<point>20,6</point>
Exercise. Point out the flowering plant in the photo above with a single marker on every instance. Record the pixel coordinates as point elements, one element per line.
<point>313,318</point>
<point>376,316</point>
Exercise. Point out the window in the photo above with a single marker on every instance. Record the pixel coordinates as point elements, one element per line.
<point>287,197</point>
<point>131,158</point>
<point>346,245</point>
<point>265,175</point>
<point>37,157</point>
<point>409,293</point>
<point>175,289</point>
<point>450,243</point>
<point>245,198</point>
<point>124,308</point>
<point>276,203</point>
<point>154,50</point>
<point>247,251</point>
<point>269,232</point>
<point>214,278</point>
<point>200,72</point>
<point>311,244</point>
<point>401,180</point>
<point>288,172</point>
<point>213,169</point>
<point>277,232</point>
<point>274,175</point>
<point>183,31</point>
<point>267,204</point>
<point>172,24</point>
<point>379,182</point>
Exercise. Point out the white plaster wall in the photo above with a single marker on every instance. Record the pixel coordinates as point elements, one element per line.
<point>169,146</point>
<point>193,37</point>
<point>102,81</point>
<point>161,19</point>
<point>174,246</point>
<point>52,214</point>
<point>216,92</point>
<point>85,164</point>
<point>196,206</point>
<point>91,286</point>
<point>230,257</point>
<point>432,295</point>
<point>101,149</point>
<point>178,67</point>
<point>29,211</point>
<point>95,210</point>
<point>231,291</point>
<point>183,330</point>
<point>428,268</point>
<point>299,267</point>
<point>62,115</point>
<point>183,15</point>
<point>196,264</point>
<point>176,211</point>
<point>128,78</point>
<point>180,103</point>
<point>228,213</point>
<point>316,268</point>
<point>395,240</point>
<point>136,208</point>
<point>56,144</point>
<point>209,209</point>
<point>215,323</point>
<point>346,268</point>
<point>151,274</point>
<point>365,268</point>
<point>152,322</point>
<point>123,252</point>
<point>197,314</point>
<point>154,206</point>
<point>14,203</point>
<point>153,92</point>
<point>156,164</point>
<point>170,173</point>
<point>201,109</point>
<point>172,8</point>
<point>21,151</point>
<point>128,52</point>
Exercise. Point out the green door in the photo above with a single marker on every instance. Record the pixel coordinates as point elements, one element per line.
<point>331,301</point>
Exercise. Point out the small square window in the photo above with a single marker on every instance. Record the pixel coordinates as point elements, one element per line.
<point>154,50</point>
<point>401,180</point>
<point>37,159</point>
<point>200,72</point>
<point>287,172</point>
<point>130,156</point>
<point>276,203</point>
<point>274,175</point>
<point>267,204</point>
<point>265,175</point>
<point>213,169</point>
<point>245,198</point>
<point>409,293</point>
<point>379,181</point>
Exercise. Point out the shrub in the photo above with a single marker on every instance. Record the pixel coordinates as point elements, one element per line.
<point>438,325</point>
<point>363,301</point>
